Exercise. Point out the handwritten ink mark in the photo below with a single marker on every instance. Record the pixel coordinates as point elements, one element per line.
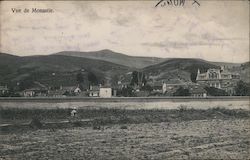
<point>163,3</point>
<point>195,2</point>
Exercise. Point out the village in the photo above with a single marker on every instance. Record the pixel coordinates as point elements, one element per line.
<point>213,82</point>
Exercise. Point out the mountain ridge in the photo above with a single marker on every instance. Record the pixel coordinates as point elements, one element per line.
<point>115,57</point>
<point>15,69</point>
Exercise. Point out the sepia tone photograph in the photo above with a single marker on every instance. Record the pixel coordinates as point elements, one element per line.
<point>124,80</point>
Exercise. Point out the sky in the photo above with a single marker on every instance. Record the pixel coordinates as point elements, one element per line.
<point>214,31</point>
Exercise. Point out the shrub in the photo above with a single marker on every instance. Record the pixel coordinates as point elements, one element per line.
<point>182,108</point>
<point>36,123</point>
<point>123,127</point>
<point>182,92</point>
<point>96,127</point>
<point>77,124</point>
<point>242,89</point>
<point>215,91</point>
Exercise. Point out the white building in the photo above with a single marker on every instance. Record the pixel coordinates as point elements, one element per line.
<point>77,90</point>
<point>164,87</point>
<point>218,78</point>
<point>94,91</point>
<point>3,89</point>
<point>105,92</point>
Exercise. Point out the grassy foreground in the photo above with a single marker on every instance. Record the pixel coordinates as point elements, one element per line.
<point>125,134</point>
<point>50,118</point>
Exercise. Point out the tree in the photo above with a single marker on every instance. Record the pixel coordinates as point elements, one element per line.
<point>147,88</point>
<point>182,92</point>
<point>212,91</point>
<point>79,78</point>
<point>242,89</point>
<point>127,92</point>
<point>26,83</point>
<point>114,80</point>
<point>92,78</point>
<point>10,93</point>
<point>193,77</point>
<point>138,78</point>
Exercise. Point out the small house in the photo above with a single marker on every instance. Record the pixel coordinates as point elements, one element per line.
<point>29,93</point>
<point>94,91</point>
<point>4,89</point>
<point>77,90</point>
<point>157,87</point>
<point>106,92</point>
<point>198,91</point>
<point>37,89</point>
<point>56,93</point>
<point>32,92</point>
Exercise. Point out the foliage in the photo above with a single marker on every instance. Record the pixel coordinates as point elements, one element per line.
<point>242,89</point>
<point>123,127</point>
<point>67,93</point>
<point>127,92</point>
<point>26,83</point>
<point>10,93</point>
<point>104,116</point>
<point>36,123</point>
<point>79,78</point>
<point>215,91</point>
<point>92,78</point>
<point>138,78</point>
<point>181,92</point>
<point>147,88</point>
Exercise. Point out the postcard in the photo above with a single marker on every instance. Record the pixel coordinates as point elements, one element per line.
<point>153,79</point>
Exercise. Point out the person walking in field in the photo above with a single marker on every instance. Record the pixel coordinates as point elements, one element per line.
<point>73,112</point>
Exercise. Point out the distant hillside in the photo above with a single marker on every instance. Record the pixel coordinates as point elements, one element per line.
<point>58,69</point>
<point>226,64</point>
<point>244,71</point>
<point>55,69</point>
<point>177,70</point>
<point>118,58</point>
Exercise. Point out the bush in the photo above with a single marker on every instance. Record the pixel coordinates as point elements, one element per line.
<point>242,89</point>
<point>147,88</point>
<point>77,124</point>
<point>215,91</point>
<point>36,123</point>
<point>182,108</point>
<point>182,92</point>
<point>96,127</point>
<point>123,127</point>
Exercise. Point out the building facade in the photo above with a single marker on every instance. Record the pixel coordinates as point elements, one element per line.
<point>105,92</point>
<point>94,91</point>
<point>218,78</point>
<point>4,89</point>
<point>197,91</point>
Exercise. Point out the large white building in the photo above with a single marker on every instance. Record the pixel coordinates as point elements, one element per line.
<point>218,78</point>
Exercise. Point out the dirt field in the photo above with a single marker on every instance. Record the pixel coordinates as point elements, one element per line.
<point>127,103</point>
<point>196,139</point>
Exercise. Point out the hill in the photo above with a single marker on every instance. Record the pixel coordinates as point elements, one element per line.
<point>114,57</point>
<point>180,70</point>
<point>244,71</point>
<point>55,69</point>
<point>226,64</point>
<point>177,70</point>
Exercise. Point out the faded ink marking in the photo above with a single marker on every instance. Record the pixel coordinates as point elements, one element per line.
<point>163,3</point>
<point>196,2</point>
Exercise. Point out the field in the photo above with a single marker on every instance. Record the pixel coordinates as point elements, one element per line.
<point>111,133</point>
<point>127,102</point>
